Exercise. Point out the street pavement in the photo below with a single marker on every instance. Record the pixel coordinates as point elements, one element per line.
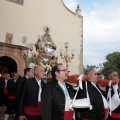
<point>2,115</point>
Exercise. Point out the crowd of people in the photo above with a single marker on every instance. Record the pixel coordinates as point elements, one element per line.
<point>31,97</point>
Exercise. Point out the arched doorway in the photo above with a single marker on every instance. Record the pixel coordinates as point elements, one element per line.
<point>7,65</point>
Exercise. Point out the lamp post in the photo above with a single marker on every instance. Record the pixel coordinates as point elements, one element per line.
<point>65,56</point>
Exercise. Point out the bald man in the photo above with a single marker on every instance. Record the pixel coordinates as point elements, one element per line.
<point>97,100</point>
<point>30,102</point>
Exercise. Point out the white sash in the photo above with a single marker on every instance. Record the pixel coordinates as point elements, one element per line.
<point>104,99</point>
<point>106,106</point>
<point>40,90</point>
<point>114,101</point>
<point>68,103</point>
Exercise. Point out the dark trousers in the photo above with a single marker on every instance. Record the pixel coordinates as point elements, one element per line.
<point>11,106</point>
<point>3,100</point>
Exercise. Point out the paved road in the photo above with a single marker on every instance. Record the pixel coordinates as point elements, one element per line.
<point>2,115</point>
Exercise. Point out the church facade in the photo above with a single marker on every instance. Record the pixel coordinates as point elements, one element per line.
<point>21,21</point>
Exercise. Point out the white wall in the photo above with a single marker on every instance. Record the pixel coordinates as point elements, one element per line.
<point>30,18</point>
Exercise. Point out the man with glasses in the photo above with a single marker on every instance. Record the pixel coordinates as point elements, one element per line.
<point>99,75</point>
<point>99,104</point>
<point>103,89</point>
<point>57,96</point>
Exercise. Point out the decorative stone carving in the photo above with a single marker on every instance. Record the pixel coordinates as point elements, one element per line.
<point>9,38</point>
<point>78,11</point>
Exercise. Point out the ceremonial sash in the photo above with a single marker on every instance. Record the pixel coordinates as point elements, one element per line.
<point>33,111</point>
<point>69,112</point>
<point>115,115</point>
<point>68,115</point>
<point>5,91</point>
<point>105,113</point>
<point>12,97</point>
<point>105,107</point>
<point>104,102</point>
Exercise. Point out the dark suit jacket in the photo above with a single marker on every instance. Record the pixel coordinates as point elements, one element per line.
<point>28,95</point>
<point>2,85</point>
<point>53,101</point>
<point>11,85</point>
<point>104,93</point>
<point>19,85</point>
<point>97,112</point>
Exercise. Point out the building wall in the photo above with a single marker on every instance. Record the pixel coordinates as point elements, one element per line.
<point>15,52</point>
<point>30,18</point>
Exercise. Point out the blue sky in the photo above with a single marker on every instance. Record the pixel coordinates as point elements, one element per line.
<point>101,28</point>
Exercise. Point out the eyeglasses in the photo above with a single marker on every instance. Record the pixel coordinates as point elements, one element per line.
<point>115,75</point>
<point>98,74</point>
<point>65,70</point>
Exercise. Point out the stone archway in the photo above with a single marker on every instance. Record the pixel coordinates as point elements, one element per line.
<point>7,65</point>
<point>13,53</point>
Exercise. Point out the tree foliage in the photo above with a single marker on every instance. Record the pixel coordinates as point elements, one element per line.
<point>113,62</point>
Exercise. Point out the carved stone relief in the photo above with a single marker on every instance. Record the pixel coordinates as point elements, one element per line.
<point>9,38</point>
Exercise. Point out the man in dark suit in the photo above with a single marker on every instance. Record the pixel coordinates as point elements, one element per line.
<point>11,103</point>
<point>3,90</point>
<point>113,75</point>
<point>28,73</point>
<point>57,96</point>
<point>29,103</point>
<point>96,99</point>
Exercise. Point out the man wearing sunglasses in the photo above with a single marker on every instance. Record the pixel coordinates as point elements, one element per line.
<point>57,96</point>
<point>99,108</point>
